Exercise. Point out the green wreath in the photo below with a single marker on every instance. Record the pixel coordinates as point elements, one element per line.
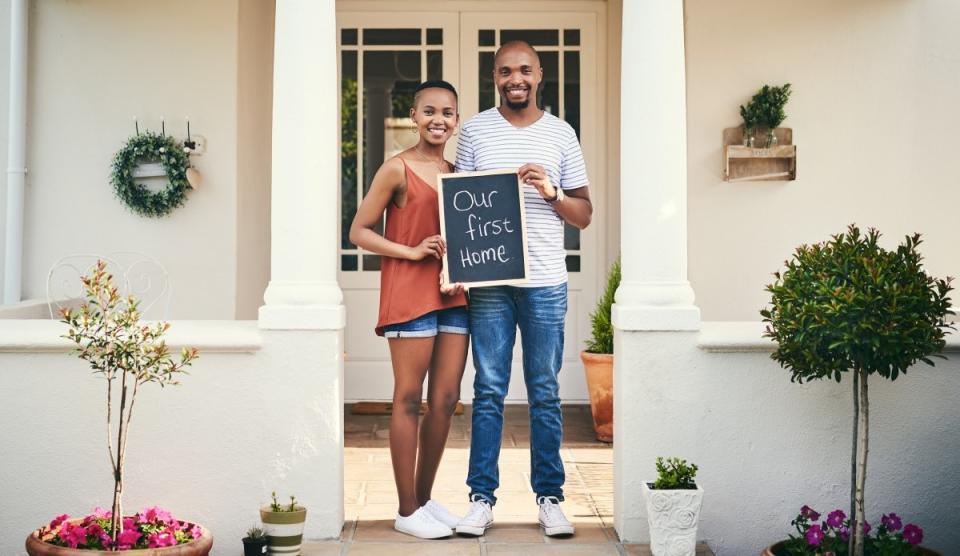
<point>151,147</point>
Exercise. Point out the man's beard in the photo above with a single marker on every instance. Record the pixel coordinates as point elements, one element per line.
<point>516,105</point>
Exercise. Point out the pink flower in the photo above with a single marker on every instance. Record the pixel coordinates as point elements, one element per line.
<point>835,518</point>
<point>128,538</point>
<point>100,513</point>
<point>156,514</point>
<point>73,535</point>
<point>892,522</point>
<point>129,523</point>
<point>58,520</point>
<point>912,534</point>
<point>196,531</point>
<point>814,535</point>
<point>844,533</point>
<point>810,513</point>
<point>164,538</point>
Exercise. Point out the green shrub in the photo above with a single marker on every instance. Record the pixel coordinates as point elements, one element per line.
<point>675,474</point>
<point>602,339</point>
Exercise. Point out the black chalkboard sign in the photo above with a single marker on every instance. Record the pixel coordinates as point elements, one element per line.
<point>483,221</point>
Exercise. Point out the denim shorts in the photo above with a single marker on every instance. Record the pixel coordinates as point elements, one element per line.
<point>451,321</point>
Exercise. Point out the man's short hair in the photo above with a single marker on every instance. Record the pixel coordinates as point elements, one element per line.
<point>516,44</point>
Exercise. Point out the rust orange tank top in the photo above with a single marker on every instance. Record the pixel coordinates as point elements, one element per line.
<point>411,289</point>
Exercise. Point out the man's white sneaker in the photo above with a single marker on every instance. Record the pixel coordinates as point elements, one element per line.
<point>552,520</point>
<point>441,514</point>
<point>479,518</point>
<point>422,525</point>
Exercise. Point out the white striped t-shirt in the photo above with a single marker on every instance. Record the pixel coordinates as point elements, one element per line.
<point>490,142</point>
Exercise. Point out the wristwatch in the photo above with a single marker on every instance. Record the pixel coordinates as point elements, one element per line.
<point>559,197</point>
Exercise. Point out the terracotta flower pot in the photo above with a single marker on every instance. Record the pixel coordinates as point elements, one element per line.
<point>198,547</point>
<point>599,371</point>
<point>777,549</point>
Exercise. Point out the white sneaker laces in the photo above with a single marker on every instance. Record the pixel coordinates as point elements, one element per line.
<point>551,508</point>
<point>479,508</point>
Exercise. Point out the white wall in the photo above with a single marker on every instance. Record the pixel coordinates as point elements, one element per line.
<point>254,131</point>
<point>766,446</point>
<point>874,115</point>
<point>266,415</point>
<point>94,65</point>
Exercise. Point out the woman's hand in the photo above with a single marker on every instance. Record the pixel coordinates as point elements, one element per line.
<point>451,289</point>
<point>431,246</point>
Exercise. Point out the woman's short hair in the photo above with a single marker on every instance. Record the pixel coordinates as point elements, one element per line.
<point>434,84</point>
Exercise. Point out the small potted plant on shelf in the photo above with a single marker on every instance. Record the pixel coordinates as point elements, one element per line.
<point>598,360</point>
<point>848,307</point>
<point>750,119</point>
<point>255,543</point>
<point>673,508</point>
<point>108,335</point>
<point>832,536</point>
<point>283,524</point>
<point>766,109</point>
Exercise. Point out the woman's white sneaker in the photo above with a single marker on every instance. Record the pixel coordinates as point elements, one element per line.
<point>422,525</point>
<point>479,518</point>
<point>552,520</point>
<point>441,514</point>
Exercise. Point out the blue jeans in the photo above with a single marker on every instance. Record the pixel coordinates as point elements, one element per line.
<point>495,314</point>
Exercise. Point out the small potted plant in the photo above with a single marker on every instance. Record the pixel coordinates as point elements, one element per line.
<point>283,524</point>
<point>108,334</point>
<point>766,109</point>
<point>832,536</point>
<point>848,307</point>
<point>673,508</point>
<point>255,543</point>
<point>598,360</point>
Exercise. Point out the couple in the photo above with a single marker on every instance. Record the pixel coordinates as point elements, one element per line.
<point>428,327</point>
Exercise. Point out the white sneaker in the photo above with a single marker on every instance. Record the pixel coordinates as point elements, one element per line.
<point>479,518</point>
<point>552,520</point>
<point>422,525</point>
<point>441,514</point>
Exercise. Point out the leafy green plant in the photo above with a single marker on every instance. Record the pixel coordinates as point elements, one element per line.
<point>276,506</point>
<point>602,339</point>
<point>255,533</point>
<point>675,474</point>
<point>766,108</point>
<point>848,306</point>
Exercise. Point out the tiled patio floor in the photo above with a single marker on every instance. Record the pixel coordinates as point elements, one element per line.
<point>371,500</point>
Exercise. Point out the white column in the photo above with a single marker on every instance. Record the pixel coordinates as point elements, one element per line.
<point>654,293</point>
<point>303,292</point>
<point>654,316</point>
<point>16,151</point>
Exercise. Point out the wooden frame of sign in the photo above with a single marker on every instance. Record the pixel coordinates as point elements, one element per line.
<point>492,247</point>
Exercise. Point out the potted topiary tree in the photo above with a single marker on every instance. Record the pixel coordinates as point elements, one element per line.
<point>109,335</point>
<point>766,109</point>
<point>598,360</point>
<point>283,524</point>
<point>673,508</point>
<point>849,307</point>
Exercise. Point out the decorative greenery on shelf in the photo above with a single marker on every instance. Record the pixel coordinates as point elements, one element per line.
<point>766,110</point>
<point>675,474</point>
<point>848,306</point>
<point>602,339</point>
<point>151,147</point>
<point>276,506</point>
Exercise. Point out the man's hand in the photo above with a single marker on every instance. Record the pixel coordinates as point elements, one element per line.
<point>535,175</point>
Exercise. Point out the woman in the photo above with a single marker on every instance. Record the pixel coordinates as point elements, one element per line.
<point>425,324</point>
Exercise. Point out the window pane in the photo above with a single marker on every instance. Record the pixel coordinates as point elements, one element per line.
<point>571,37</point>
<point>435,64</point>
<point>391,36</point>
<point>571,237</point>
<point>389,79</point>
<point>348,144</point>
<point>348,36</point>
<point>434,36</point>
<point>549,94</point>
<point>541,37</point>
<point>348,262</point>
<point>488,98</point>
<point>571,90</point>
<point>573,263</point>
<point>371,262</point>
<point>485,37</point>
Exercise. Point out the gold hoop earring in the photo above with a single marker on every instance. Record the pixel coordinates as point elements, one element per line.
<point>415,131</point>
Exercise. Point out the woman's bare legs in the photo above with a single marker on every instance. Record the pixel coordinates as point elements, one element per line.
<point>446,372</point>
<point>411,359</point>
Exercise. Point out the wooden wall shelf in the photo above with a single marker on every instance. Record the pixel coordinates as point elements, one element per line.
<point>741,163</point>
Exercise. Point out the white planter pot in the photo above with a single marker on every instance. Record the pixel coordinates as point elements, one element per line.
<point>673,516</point>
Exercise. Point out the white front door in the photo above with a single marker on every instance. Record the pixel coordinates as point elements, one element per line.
<point>383,56</point>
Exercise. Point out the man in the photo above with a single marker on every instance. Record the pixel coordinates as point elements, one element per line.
<point>547,156</point>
